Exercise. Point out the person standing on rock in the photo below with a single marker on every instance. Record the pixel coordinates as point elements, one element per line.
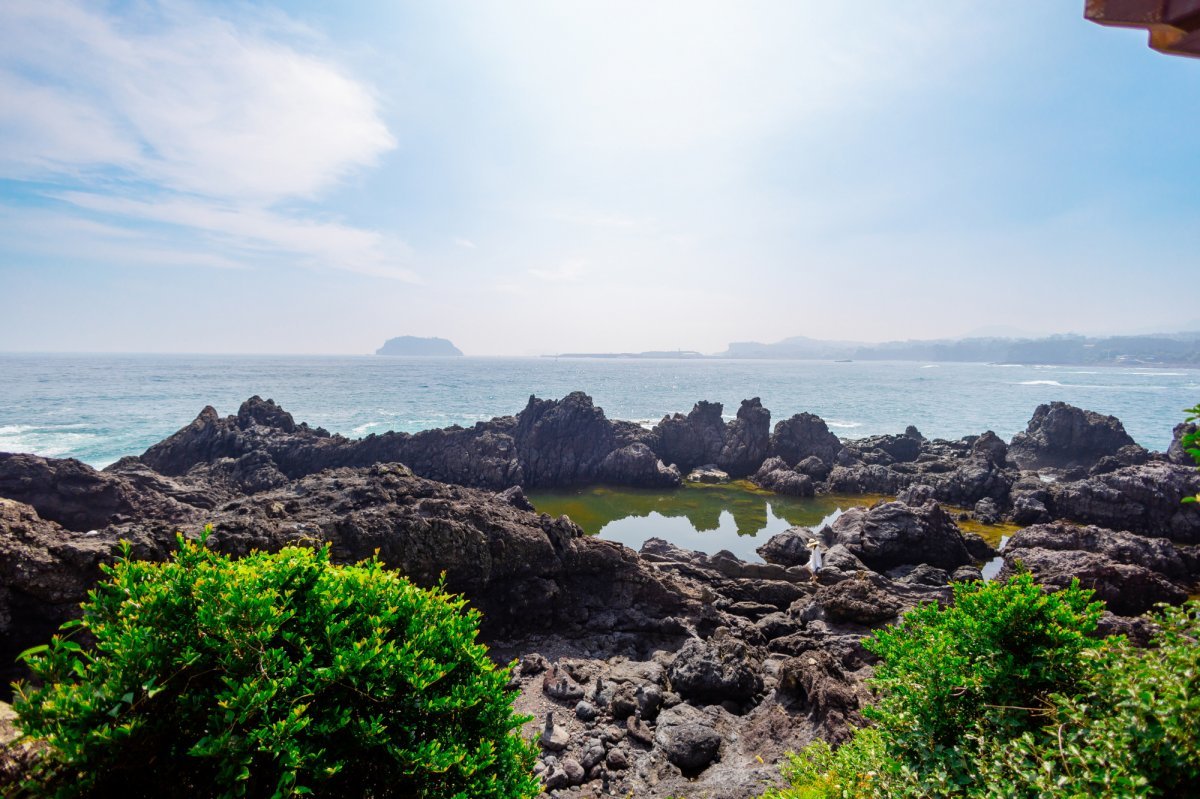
<point>814,559</point>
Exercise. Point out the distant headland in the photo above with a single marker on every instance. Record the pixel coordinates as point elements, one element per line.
<point>416,346</point>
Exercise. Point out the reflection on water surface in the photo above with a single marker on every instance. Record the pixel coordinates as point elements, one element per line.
<point>737,516</point>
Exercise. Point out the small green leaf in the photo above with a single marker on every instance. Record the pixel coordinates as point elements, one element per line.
<point>32,652</point>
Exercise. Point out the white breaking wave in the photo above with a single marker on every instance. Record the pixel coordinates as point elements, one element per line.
<point>930,366</point>
<point>846,425</point>
<point>43,441</point>
<point>15,429</point>
<point>1039,383</point>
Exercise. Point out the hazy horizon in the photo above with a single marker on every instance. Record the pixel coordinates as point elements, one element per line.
<point>1014,336</point>
<point>530,178</point>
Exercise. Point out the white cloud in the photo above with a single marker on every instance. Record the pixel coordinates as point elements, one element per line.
<point>257,230</point>
<point>223,123</point>
<point>465,243</point>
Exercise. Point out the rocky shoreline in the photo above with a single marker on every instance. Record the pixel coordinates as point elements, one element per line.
<point>665,672</point>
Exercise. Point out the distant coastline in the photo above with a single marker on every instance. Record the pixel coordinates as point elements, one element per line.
<point>1157,350</point>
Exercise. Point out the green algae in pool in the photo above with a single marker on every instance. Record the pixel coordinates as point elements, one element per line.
<point>736,516</point>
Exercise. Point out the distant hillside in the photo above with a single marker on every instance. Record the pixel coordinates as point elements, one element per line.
<point>1181,349</point>
<point>414,346</point>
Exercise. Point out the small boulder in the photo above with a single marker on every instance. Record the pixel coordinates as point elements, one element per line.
<point>715,670</point>
<point>554,737</point>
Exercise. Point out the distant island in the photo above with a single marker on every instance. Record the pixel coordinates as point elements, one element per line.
<point>1163,349</point>
<point>416,346</point>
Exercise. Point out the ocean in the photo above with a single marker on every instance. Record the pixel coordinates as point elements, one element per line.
<point>98,408</point>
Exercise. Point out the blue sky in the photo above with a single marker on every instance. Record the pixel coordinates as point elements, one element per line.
<point>534,177</point>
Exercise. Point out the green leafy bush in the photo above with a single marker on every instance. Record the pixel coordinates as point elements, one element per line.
<point>1191,443</point>
<point>1134,731</point>
<point>853,771</point>
<point>1070,718</point>
<point>993,657</point>
<point>274,675</point>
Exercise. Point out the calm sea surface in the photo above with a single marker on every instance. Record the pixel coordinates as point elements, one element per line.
<point>98,408</point>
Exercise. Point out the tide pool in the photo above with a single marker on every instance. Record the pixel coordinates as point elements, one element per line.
<point>737,516</point>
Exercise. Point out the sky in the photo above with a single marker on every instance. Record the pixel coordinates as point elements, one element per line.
<point>528,177</point>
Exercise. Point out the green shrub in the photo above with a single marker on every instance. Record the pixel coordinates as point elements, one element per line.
<point>1134,731</point>
<point>1191,443</point>
<point>994,656</point>
<point>853,771</point>
<point>1104,718</point>
<point>274,675</point>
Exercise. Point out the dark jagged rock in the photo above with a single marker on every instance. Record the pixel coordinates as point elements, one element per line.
<point>525,572</point>
<point>980,549</point>
<point>564,442</point>
<point>987,511</point>
<point>774,475</point>
<point>817,683</point>
<point>195,493</point>
<point>1128,572</point>
<point>716,670</point>
<point>1157,554</point>
<point>864,602</point>
<point>484,455</point>
<point>746,439</point>
<point>921,574</point>
<point>1144,499</point>
<point>516,497</point>
<point>891,534</point>
<point>916,495</point>
<point>840,564</point>
<point>207,438</point>
<point>637,465</point>
<point>688,739</point>
<point>693,440</point>
<point>864,479</point>
<point>789,548</point>
<point>803,436</point>
<point>975,479</point>
<point>77,496</point>
<point>570,442</point>
<point>46,571</point>
<point>990,448</point>
<point>257,411</point>
<point>813,467</point>
<point>1063,436</point>
<point>888,449</point>
<point>550,443</point>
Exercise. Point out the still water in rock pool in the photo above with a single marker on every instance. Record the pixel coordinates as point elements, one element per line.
<point>707,518</point>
